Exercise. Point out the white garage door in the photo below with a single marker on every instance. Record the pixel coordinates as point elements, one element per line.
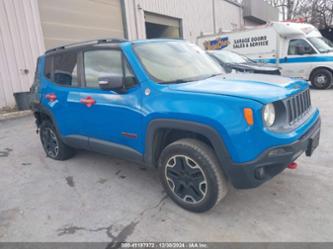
<point>68,21</point>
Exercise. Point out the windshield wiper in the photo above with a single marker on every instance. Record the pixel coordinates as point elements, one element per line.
<point>177,81</point>
<point>213,75</point>
<point>327,51</point>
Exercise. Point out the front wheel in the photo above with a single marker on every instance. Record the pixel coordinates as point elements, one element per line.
<point>321,79</point>
<point>191,175</point>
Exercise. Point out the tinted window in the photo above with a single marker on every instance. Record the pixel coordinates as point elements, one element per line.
<point>300,47</point>
<point>65,69</point>
<point>101,63</point>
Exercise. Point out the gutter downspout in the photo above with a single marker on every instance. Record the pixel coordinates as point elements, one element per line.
<point>214,16</point>
<point>136,19</point>
<point>124,18</point>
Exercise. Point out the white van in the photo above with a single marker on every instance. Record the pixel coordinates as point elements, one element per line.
<point>297,48</point>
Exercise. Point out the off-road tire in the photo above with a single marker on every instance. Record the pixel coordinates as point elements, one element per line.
<point>203,156</point>
<point>63,152</point>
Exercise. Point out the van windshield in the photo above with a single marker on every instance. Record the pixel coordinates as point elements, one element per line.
<point>322,44</point>
<point>176,61</point>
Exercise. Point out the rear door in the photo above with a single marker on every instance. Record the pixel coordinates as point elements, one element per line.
<point>115,118</point>
<point>61,96</point>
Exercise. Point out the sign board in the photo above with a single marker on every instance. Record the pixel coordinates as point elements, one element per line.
<point>254,41</point>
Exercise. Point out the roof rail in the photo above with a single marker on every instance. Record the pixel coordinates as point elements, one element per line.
<point>86,43</point>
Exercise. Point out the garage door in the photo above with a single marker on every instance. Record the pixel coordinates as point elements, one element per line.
<point>68,21</point>
<point>159,26</point>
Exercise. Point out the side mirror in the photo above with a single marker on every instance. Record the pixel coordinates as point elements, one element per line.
<point>111,83</point>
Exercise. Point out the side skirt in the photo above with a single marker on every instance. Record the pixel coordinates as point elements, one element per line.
<point>115,150</point>
<point>104,147</point>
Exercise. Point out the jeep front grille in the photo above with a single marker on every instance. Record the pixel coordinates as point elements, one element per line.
<point>298,105</point>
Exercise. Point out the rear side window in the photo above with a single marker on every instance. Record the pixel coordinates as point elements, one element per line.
<point>62,69</point>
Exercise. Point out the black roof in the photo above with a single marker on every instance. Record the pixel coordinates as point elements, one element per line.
<point>86,43</point>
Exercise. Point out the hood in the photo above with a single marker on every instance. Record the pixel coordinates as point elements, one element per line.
<point>259,87</point>
<point>253,67</point>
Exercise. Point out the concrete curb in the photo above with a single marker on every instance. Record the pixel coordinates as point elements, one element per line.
<point>13,115</point>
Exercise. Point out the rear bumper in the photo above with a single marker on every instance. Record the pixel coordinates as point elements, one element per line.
<point>273,161</point>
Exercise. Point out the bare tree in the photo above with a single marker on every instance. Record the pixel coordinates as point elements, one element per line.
<point>317,12</point>
<point>323,13</point>
<point>285,6</point>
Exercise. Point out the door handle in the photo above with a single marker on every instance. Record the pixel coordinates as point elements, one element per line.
<point>88,101</point>
<point>51,97</point>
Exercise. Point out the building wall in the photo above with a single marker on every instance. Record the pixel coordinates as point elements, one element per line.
<point>197,16</point>
<point>21,42</point>
<point>259,10</point>
<point>228,15</point>
<point>68,21</point>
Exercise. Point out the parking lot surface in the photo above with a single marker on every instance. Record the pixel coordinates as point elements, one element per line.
<point>93,197</point>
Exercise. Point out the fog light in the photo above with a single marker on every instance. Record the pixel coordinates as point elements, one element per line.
<point>260,173</point>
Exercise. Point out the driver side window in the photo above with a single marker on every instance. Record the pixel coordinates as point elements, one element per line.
<point>101,63</point>
<point>106,63</point>
<point>300,47</point>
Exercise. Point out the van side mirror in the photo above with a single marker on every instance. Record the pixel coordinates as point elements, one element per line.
<point>111,83</point>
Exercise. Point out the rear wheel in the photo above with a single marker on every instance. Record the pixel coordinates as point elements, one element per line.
<point>321,79</point>
<point>52,143</point>
<point>191,175</point>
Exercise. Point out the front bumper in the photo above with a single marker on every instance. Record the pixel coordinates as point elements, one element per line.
<point>273,161</point>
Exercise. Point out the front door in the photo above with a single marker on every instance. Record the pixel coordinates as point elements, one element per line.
<point>297,61</point>
<point>113,120</point>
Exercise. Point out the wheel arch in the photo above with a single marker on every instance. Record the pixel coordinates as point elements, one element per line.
<point>41,113</point>
<point>159,130</point>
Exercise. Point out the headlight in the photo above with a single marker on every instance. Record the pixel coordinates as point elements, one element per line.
<point>269,115</point>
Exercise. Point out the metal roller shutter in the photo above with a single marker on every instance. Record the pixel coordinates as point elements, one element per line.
<point>163,20</point>
<point>68,21</point>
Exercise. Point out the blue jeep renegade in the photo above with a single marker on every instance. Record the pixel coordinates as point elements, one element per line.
<point>167,104</point>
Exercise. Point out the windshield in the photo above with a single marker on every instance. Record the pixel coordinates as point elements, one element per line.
<point>230,57</point>
<point>176,61</point>
<point>322,44</point>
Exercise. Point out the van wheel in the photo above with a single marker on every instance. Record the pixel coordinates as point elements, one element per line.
<point>52,143</point>
<point>191,175</point>
<point>321,79</point>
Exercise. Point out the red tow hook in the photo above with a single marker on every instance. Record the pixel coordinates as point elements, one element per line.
<point>292,165</point>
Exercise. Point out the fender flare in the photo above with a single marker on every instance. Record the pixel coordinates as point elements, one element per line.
<point>210,133</point>
<point>39,108</point>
